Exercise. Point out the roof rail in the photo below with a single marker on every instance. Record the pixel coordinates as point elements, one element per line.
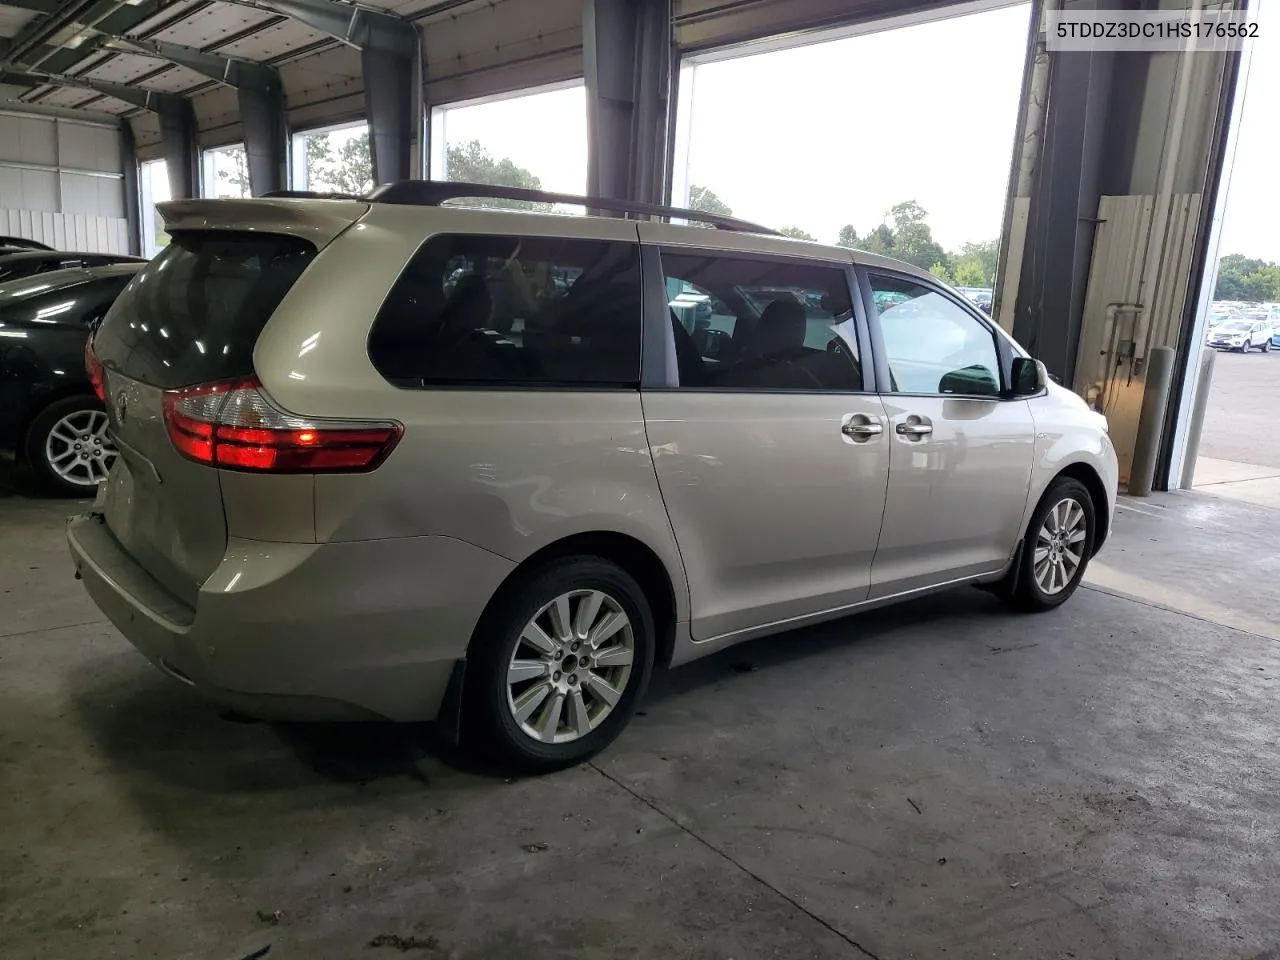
<point>435,192</point>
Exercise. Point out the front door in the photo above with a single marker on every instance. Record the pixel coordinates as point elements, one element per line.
<point>771,448</point>
<point>961,454</point>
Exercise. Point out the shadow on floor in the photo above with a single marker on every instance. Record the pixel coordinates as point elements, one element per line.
<point>144,722</point>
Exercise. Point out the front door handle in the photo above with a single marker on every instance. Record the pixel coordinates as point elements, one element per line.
<point>862,431</point>
<point>914,429</point>
<point>860,428</point>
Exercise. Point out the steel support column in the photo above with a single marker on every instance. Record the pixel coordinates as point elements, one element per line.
<point>390,51</point>
<point>1108,222</point>
<point>180,146</point>
<point>389,64</point>
<point>628,61</point>
<point>132,197</point>
<point>261,99</point>
<point>1062,216</point>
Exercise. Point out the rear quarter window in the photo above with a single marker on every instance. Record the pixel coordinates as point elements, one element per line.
<point>509,311</point>
<point>194,313</point>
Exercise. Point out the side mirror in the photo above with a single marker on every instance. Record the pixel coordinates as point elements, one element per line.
<point>1030,377</point>
<point>971,381</point>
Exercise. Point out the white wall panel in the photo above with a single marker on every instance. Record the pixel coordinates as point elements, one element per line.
<point>61,182</point>
<point>82,147</point>
<point>66,232</point>
<point>28,139</point>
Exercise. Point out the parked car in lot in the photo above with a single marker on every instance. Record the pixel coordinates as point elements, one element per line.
<point>16,265</point>
<point>383,499</point>
<point>49,414</point>
<point>1243,335</point>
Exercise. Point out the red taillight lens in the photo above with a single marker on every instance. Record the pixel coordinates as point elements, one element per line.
<point>93,367</point>
<point>234,425</point>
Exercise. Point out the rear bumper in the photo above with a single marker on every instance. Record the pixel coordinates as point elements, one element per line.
<point>339,631</point>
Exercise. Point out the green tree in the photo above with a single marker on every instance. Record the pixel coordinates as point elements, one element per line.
<point>349,169</point>
<point>796,233</point>
<point>237,177</point>
<point>940,271</point>
<point>703,199</point>
<point>912,239</point>
<point>1246,278</point>
<point>969,273</point>
<point>880,240</point>
<point>986,254</point>
<point>470,162</point>
<point>848,236</point>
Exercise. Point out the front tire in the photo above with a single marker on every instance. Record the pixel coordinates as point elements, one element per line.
<point>558,664</point>
<point>1056,549</point>
<point>1246,346</point>
<point>68,447</point>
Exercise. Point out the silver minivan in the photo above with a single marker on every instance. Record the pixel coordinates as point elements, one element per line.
<point>399,458</point>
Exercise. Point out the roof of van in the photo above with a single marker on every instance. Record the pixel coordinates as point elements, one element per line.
<point>321,219</point>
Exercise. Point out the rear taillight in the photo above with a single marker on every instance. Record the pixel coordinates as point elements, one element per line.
<point>234,425</point>
<point>93,367</point>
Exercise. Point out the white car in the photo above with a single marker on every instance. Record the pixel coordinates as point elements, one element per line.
<point>1243,335</point>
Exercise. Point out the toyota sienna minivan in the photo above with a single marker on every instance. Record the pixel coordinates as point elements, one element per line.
<point>394,457</point>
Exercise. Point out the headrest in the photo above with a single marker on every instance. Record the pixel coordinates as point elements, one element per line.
<point>781,327</point>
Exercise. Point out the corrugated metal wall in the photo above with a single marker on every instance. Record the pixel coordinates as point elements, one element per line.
<point>1142,257</point>
<point>61,182</point>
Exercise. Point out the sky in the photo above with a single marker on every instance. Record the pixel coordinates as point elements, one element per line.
<point>838,132</point>
<point>1251,224</point>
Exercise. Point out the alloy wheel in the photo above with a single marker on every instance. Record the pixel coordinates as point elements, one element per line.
<point>79,450</point>
<point>570,666</point>
<point>1060,545</point>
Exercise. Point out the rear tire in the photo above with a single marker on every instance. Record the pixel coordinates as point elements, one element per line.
<point>1266,346</point>
<point>1062,528</point>
<point>537,698</point>
<point>68,448</point>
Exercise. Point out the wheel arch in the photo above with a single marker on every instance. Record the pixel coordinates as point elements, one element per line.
<point>632,555</point>
<point>1092,481</point>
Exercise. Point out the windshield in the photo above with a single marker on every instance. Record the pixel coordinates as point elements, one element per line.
<point>1237,326</point>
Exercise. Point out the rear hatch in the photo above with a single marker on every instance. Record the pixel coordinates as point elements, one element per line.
<point>191,318</point>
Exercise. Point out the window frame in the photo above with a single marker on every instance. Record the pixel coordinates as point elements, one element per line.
<point>427,386</point>
<point>659,369</point>
<point>880,356</point>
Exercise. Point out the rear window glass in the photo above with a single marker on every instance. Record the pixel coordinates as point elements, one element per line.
<point>495,311</point>
<point>194,313</point>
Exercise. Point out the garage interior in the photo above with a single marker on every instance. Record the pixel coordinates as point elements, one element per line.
<point>943,778</point>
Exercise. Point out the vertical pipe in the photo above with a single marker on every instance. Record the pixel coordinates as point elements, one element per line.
<point>1155,395</point>
<point>1204,378</point>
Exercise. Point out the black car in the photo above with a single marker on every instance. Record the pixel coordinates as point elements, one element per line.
<point>28,262</point>
<point>50,414</point>
<point>8,243</point>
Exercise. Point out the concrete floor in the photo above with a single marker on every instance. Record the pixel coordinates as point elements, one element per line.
<point>941,780</point>
<point>1240,417</point>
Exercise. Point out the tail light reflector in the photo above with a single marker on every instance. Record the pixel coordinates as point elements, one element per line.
<point>93,367</point>
<point>234,425</point>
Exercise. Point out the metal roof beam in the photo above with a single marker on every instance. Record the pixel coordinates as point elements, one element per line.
<point>152,100</point>
<point>354,25</point>
<point>232,71</point>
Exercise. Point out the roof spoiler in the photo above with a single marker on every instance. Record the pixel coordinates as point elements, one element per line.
<point>318,223</point>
